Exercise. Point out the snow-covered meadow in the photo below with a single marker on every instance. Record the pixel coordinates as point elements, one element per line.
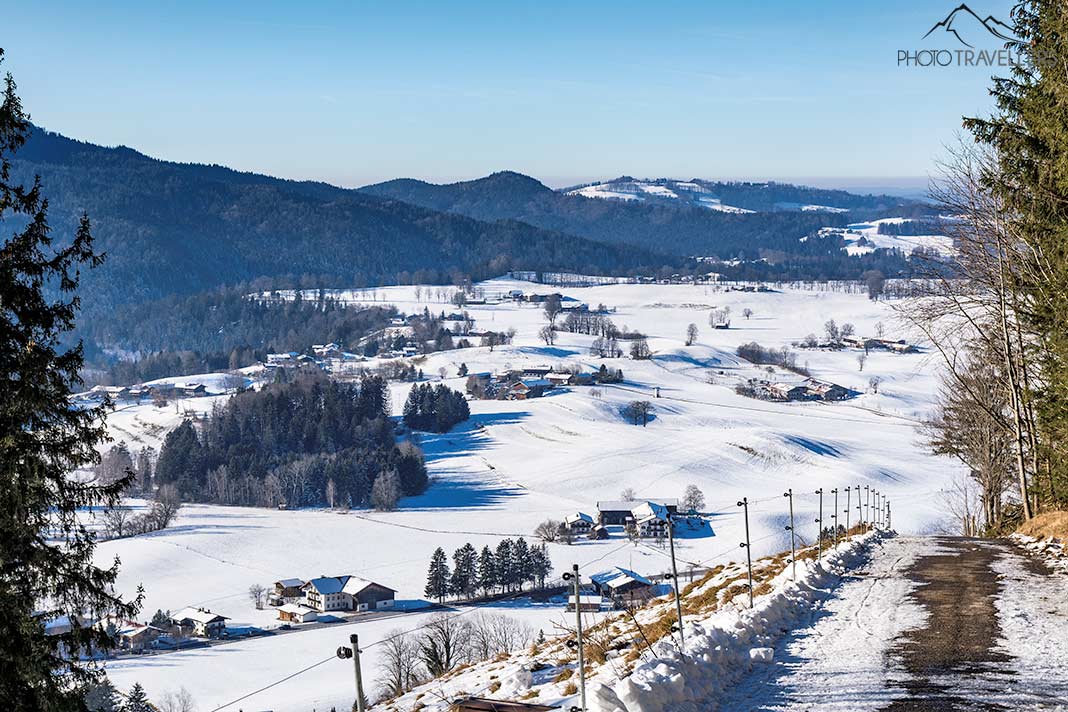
<point>517,463</point>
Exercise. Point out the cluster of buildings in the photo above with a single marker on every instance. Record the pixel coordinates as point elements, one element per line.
<point>646,518</point>
<point>524,383</point>
<point>300,601</point>
<point>808,390</point>
<point>143,391</point>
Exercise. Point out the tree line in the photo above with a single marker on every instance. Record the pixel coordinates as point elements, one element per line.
<point>435,408</point>
<point>999,318</point>
<point>310,442</point>
<point>506,569</point>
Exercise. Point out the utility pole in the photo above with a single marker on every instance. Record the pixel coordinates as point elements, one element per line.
<point>848,492</point>
<point>819,529</point>
<point>675,581</point>
<point>578,627</point>
<point>745,545</point>
<point>354,653</point>
<point>835,517</point>
<point>789,494</point>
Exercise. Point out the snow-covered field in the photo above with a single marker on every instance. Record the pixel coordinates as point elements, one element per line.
<point>862,238</point>
<point>516,463</point>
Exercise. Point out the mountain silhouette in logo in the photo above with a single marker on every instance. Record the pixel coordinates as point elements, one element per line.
<point>962,20</point>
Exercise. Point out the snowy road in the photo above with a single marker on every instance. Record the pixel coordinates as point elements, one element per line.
<point>929,624</point>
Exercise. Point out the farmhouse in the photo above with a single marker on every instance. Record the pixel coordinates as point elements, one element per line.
<point>651,519</point>
<point>827,391</point>
<point>201,622</point>
<point>578,523</point>
<point>788,392</point>
<point>619,512</point>
<point>346,593</point>
<point>624,587</point>
<point>529,388</point>
<point>286,591</point>
<point>136,636</point>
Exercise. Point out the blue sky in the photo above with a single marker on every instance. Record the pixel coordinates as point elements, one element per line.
<point>354,92</point>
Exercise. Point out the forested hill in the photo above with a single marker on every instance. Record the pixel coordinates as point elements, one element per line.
<point>171,228</point>
<point>672,226</point>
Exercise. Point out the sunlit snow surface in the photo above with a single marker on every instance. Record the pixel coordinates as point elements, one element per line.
<point>517,463</point>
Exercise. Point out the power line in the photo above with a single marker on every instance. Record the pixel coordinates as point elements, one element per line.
<point>275,683</point>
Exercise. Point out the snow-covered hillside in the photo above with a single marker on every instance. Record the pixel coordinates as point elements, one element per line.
<point>862,238</point>
<point>659,190</point>
<point>517,463</point>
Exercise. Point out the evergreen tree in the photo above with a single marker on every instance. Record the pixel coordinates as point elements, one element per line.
<point>46,555</point>
<point>522,562</point>
<point>487,570</point>
<point>137,700</point>
<point>103,697</point>
<point>1029,138</point>
<point>541,565</point>
<point>504,565</point>
<point>464,571</point>
<point>437,578</point>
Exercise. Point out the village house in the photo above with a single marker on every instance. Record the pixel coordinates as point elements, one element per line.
<point>200,622</point>
<point>529,388</point>
<point>625,588</point>
<point>827,391</point>
<point>283,359</point>
<point>134,636</point>
<point>331,350</point>
<point>651,519</point>
<point>578,523</point>
<point>620,512</point>
<point>788,391</point>
<point>346,593</point>
<point>286,591</point>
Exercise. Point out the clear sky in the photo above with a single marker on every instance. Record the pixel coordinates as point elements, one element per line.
<point>357,92</point>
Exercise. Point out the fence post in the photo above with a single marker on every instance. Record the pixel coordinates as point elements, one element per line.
<point>867,505</point>
<point>789,494</point>
<point>819,529</point>
<point>748,553</point>
<point>835,517</point>
<point>860,512</point>
<point>888,514</point>
<point>849,490</point>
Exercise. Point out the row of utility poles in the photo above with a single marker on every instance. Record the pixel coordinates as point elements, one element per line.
<point>874,511</point>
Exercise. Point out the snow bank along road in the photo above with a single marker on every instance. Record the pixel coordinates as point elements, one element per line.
<point>928,624</point>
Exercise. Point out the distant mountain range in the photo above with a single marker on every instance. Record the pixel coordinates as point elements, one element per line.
<point>725,220</point>
<point>174,229</point>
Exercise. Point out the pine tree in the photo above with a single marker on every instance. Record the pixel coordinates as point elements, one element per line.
<point>487,570</point>
<point>504,565</point>
<point>46,555</point>
<point>137,700</point>
<point>522,562</point>
<point>465,571</point>
<point>541,565</point>
<point>437,578</point>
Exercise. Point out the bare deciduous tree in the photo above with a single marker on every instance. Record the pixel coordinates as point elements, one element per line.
<point>400,663</point>
<point>256,593</point>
